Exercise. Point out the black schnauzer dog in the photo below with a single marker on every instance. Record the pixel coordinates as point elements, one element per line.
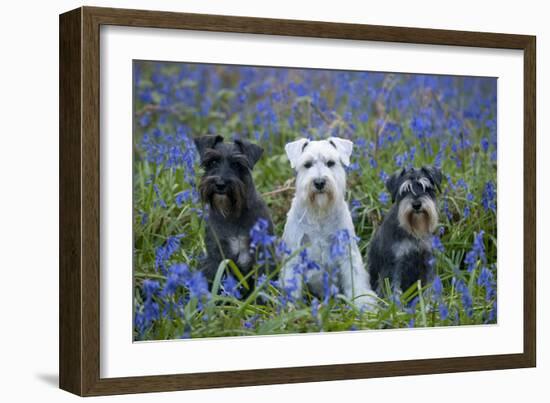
<point>401,248</point>
<point>234,204</point>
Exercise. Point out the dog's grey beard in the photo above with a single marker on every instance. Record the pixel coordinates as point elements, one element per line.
<point>222,204</point>
<point>419,224</point>
<point>231,203</point>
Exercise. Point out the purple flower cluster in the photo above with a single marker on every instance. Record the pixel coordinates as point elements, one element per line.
<point>160,301</point>
<point>467,302</point>
<point>477,252</point>
<point>165,252</point>
<point>262,241</point>
<point>340,244</point>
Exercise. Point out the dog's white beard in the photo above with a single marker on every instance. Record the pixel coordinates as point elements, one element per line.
<point>322,202</point>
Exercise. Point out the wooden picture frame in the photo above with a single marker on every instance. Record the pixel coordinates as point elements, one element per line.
<point>79,200</point>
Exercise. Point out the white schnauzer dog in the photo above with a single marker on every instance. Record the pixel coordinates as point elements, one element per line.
<point>318,212</point>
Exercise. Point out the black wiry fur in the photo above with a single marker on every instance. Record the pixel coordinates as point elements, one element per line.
<point>402,270</point>
<point>233,210</point>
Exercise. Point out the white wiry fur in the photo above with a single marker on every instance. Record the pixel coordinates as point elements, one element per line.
<point>314,217</point>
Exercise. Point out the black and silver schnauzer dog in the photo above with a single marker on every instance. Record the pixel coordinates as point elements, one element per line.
<point>234,205</point>
<point>401,249</point>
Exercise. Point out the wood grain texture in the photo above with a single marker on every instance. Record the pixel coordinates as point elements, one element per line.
<point>70,270</point>
<point>80,196</point>
<point>530,202</point>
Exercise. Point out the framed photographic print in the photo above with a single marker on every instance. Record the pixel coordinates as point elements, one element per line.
<point>249,201</point>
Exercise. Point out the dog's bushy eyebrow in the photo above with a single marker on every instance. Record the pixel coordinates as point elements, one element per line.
<point>241,159</point>
<point>406,187</point>
<point>211,155</point>
<point>425,183</point>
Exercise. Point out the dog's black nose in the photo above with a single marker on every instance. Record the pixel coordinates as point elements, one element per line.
<point>416,205</point>
<point>220,185</point>
<point>319,183</point>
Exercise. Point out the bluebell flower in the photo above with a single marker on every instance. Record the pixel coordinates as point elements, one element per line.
<point>290,286</point>
<point>261,279</point>
<point>260,236</point>
<point>477,252</point>
<point>486,280</point>
<point>178,274</point>
<point>437,287</point>
<point>355,205</point>
<point>411,306</point>
<point>304,264</point>
<point>437,244</point>
<point>139,322</point>
<point>446,209</point>
<point>183,197</point>
<point>340,244</point>
<point>150,288</point>
<point>467,302</point>
<point>144,217</point>
<point>198,287</point>
<point>438,159</point>
<point>251,323</point>
<point>488,198</point>
<point>159,200</point>
<point>261,241</point>
<point>461,183</point>
<point>151,312</point>
<point>443,311</point>
<point>298,88</point>
<point>145,119</point>
<point>484,144</point>
<point>330,289</point>
<point>282,250</point>
<point>165,252</point>
<point>231,287</point>
<point>384,198</point>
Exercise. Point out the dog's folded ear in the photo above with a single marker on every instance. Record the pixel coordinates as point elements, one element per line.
<point>294,150</point>
<point>207,141</point>
<point>252,151</point>
<point>392,184</point>
<point>344,147</point>
<point>434,174</point>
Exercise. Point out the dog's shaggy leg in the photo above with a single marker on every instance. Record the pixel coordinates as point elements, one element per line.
<point>356,283</point>
<point>291,283</point>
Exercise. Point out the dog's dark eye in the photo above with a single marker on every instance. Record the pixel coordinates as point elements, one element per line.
<point>330,163</point>
<point>308,165</point>
<point>211,164</point>
<point>237,165</point>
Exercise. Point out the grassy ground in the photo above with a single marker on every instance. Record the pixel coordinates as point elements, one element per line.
<point>395,121</point>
